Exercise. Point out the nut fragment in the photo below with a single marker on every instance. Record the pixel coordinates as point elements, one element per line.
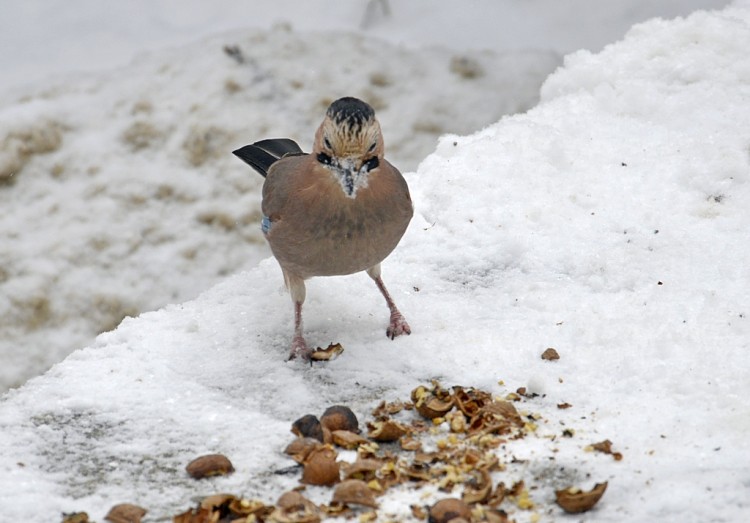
<point>125,513</point>
<point>503,409</point>
<point>293,507</point>
<point>605,447</point>
<point>496,516</point>
<point>76,517</point>
<point>478,488</point>
<point>216,501</point>
<point>363,468</point>
<point>433,407</point>
<point>410,443</point>
<point>354,492</point>
<point>384,431</point>
<point>300,448</point>
<point>209,465</point>
<point>320,467</point>
<point>470,400</point>
<point>308,426</point>
<point>456,421</point>
<point>449,509</point>
<point>432,403</point>
<point>293,500</point>
<point>550,354</point>
<point>329,353</point>
<point>246,507</point>
<point>339,417</point>
<point>418,511</point>
<point>574,500</point>
<point>347,440</point>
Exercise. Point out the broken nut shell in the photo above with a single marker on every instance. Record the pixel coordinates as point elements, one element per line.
<point>574,500</point>
<point>320,467</point>
<point>385,431</point>
<point>300,448</point>
<point>209,465</point>
<point>354,492</point>
<point>340,417</point>
<point>346,439</point>
<point>449,509</point>
<point>125,513</point>
<point>293,507</point>
<point>308,426</point>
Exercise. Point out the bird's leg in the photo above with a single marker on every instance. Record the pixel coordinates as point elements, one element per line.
<point>299,345</point>
<point>297,290</point>
<point>397,325</point>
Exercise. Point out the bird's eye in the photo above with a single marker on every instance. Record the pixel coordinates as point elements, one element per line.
<point>327,142</point>
<point>325,159</point>
<point>371,164</point>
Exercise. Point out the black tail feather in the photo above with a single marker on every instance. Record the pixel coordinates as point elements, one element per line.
<point>261,155</point>
<point>279,147</point>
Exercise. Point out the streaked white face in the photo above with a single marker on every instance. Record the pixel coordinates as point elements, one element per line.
<point>350,152</point>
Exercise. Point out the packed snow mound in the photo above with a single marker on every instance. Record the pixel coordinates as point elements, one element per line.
<point>120,193</point>
<point>610,222</point>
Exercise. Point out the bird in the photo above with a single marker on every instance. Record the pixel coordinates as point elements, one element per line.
<point>341,209</point>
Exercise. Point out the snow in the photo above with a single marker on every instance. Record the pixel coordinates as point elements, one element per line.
<point>119,176</point>
<point>42,36</point>
<point>609,222</point>
<point>115,175</point>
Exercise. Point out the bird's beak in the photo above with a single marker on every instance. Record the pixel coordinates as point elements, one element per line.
<point>350,170</point>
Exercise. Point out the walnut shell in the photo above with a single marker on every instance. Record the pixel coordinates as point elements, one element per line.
<point>329,353</point>
<point>340,417</point>
<point>432,407</point>
<point>363,468</point>
<point>574,500</point>
<point>354,492</point>
<point>308,426</point>
<point>385,431</point>
<point>470,400</point>
<point>75,517</point>
<point>300,448</point>
<point>449,509</point>
<point>125,513</point>
<point>320,467</point>
<point>209,465</point>
<point>478,488</point>
<point>346,439</point>
<point>293,507</point>
<point>215,501</point>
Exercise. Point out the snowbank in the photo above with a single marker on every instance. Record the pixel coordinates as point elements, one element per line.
<point>610,223</point>
<point>109,179</point>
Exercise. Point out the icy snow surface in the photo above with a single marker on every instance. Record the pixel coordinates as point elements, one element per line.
<point>610,222</point>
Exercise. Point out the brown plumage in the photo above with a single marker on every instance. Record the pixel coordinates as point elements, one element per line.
<point>340,210</point>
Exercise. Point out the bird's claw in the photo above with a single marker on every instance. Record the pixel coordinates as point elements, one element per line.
<point>300,350</point>
<point>398,326</point>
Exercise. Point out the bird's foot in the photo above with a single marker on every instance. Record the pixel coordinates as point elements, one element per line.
<point>300,349</point>
<point>398,326</point>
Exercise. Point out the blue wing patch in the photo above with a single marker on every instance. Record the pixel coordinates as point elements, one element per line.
<point>265,224</point>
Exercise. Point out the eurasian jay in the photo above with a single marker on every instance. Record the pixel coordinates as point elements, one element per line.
<point>340,210</point>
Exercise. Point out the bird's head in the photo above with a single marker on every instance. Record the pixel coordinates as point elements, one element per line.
<point>349,143</point>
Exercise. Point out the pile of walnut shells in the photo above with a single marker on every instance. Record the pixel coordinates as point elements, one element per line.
<point>460,462</point>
